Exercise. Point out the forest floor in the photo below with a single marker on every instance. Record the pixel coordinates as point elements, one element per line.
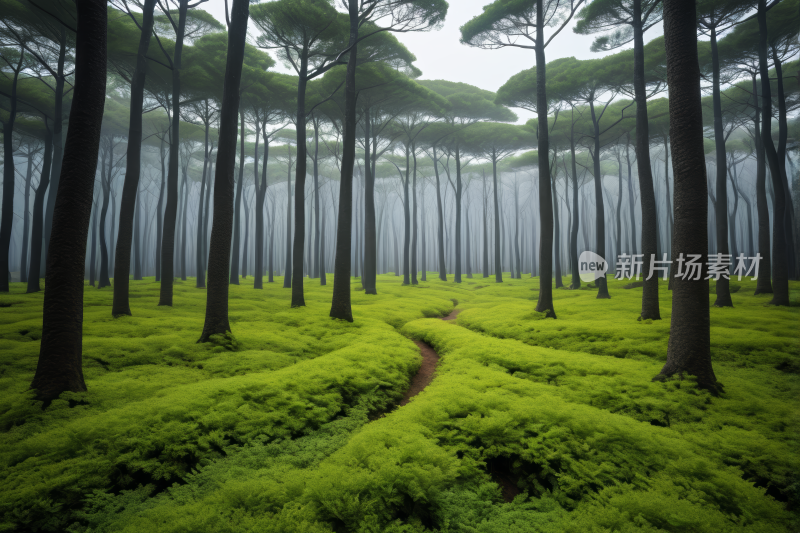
<point>294,423</point>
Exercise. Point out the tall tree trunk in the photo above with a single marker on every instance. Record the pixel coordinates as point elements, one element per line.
<point>261,195</point>
<point>7,217</point>
<point>545,302</point>
<point>406,223</point>
<point>649,222</point>
<point>216,321</point>
<point>200,274</point>
<point>319,265</point>
<point>287,256</point>
<point>789,214</point>
<point>424,253</point>
<point>557,240</point>
<point>37,228</point>
<point>457,273</point>
<point>105,183</point>
<point>93,248</point>
<point>780,270</point>
<point>369,281</point>
<point>237,207</point>
<point>485,263</point>
<point>137,242</point>
<point>171,211</point>
<point>721,212</point>
<point>413,266</point>
<point>246,236</point>
<point>599,208</point>
<point>440,227</point>
<point>58,140</point>
<point>26,221</point>
<point>498,269</point>
<point>159,214</point>
<point>59,367</point>
<point>340,303</point>
<point>298,299</point>
<point>690,336</point>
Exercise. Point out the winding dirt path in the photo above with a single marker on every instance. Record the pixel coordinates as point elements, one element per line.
<point>430,359</point>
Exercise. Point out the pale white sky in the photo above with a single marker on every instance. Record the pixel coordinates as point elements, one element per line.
<point>440,55</point>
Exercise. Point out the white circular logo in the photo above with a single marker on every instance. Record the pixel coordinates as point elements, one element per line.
<point>591,266</point>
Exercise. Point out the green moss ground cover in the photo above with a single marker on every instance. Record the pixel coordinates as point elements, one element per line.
<point>270,430</point>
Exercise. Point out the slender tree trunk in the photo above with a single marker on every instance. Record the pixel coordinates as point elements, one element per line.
<point>199,241</point>
<point>369,281</point>
<point>287,256</point>
<point>26,221</point>
<point>413,266</point>
<point>58,140</point>
<point>780,270</point>
<point>298,299</point>
<point>721,213</point>
<point>216,321</point>
<point>557,240</point>
<point>137,242</point>
<point>647,194</point>
<point>7,217</point>
<point>237,214</point>
<point>424,262</point>
<point>38,211</point>
<point>159,215</point>
<point>599,208</point>
<point>261,195</point>
<point>789,214</point>
<point>440,228</point>
<point>545,302</point>
<point>690,337</point>
<point>457,273</point>
<point>59,367</point>
<point>498,269</point>
<point>485,262</point>
<point>93,248</point>
<point>105,183</point>
<point>171,211</point>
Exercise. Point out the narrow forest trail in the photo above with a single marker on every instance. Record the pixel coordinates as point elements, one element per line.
<point>430,358</point>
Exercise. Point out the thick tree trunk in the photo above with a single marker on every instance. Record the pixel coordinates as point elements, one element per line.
<point>37,228</point>
<point>545,302</point>
<point>690,337</point>
<point>59,367</point>
<point>171,212</point>
<point>216,321</point>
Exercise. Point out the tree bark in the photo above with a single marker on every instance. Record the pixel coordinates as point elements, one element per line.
<point>298,299</point>
<point>440,227</point>
<point>780,267</point>
<point>545,302</point>
<point>690,337</point>
<point>59,367</point>
<point>171,212</point>
<point>721,213</point>
<point>38,212</point>
<point>600,218</point>
<point>237,207</point>
<point>105,183</point>
<point>498,269</point>
<point>216,321</point>
<point>649,223</point>
<point>7,217</point>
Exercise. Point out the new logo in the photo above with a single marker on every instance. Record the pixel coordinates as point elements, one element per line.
<point>591,266</point>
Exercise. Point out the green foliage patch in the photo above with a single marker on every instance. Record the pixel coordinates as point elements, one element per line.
<point>269,429</point>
